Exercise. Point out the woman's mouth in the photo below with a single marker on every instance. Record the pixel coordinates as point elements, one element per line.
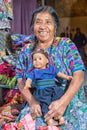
<point>43,33</point>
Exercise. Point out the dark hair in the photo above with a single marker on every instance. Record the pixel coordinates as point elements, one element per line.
<point>45,53</point>
<point>51,11</point>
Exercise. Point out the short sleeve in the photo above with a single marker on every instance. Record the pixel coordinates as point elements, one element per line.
<point>54,69</point>
<point>31,75</point>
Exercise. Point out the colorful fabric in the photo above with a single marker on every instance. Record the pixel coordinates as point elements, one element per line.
<point>6,16</point>
<point>9,112</point>
<point>5,115</point>
<point>7,69</point>
<point>7,75</point>
<point>19,40</point>
<point>22,125</point>
<point>10,59</point>
<point>49,128</point>
<point>66,57</point>
<point>3,36</point>
<point>9,126</point>
<point>27,123</point>
<point>6,13</point>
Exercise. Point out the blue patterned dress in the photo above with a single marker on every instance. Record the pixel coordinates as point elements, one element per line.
<point>64,54</point>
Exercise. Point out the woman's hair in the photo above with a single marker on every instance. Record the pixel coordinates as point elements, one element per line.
<point>51,11</point>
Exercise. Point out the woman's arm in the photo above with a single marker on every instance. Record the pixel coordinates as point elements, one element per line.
<point>74,86</point>
<point>25,93</point>
<point>34,104</point>
<point>58,107</point>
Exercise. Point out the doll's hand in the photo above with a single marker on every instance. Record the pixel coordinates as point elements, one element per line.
<point>69,77</point>
<point>28,84</point>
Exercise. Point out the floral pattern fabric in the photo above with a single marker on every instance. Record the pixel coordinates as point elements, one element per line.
<point>6,16</point>
<point>64,54</point>
<point>6,13</point>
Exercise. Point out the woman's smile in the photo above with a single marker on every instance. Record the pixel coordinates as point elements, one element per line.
<point>43,33</point>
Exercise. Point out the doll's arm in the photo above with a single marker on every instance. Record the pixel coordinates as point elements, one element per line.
<point>28,84</point>
<point>64,76</point>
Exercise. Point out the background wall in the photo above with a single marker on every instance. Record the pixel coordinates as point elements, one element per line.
<point>72,23</point>
<point>72,13</point>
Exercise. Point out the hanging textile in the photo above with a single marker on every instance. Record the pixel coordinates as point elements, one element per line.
<point>22,10</point>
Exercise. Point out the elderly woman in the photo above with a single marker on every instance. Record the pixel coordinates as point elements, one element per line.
<point>64,54</point>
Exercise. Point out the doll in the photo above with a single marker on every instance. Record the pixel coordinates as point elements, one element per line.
<point>46,88</point>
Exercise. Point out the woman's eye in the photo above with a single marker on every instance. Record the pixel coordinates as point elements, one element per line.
<point>37,22</point>
<point>48,22</point>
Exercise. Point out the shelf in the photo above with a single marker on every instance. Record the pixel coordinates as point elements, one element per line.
<point>5,86</point>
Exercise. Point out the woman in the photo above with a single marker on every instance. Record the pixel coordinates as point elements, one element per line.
<point>64,54</point>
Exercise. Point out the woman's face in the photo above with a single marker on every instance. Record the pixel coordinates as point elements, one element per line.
<point>44,27</point>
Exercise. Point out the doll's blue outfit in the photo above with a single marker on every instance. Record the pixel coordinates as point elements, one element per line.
<point>46,86</point>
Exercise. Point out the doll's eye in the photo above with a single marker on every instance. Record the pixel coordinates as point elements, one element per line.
<point>40,58</point>
<point>34,59</point>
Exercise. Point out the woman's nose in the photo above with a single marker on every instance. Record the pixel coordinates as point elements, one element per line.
<point>42,25</point>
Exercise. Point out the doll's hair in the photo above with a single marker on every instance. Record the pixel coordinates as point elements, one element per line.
<point>45,53</point>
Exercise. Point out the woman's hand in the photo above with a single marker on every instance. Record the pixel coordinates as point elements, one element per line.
<point>35,108</point>
<point>58,107</point>
<point>56,110</point>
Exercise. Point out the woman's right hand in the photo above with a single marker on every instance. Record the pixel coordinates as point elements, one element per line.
<point>35,108</point>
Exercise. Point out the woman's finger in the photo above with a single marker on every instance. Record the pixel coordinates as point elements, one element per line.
<point>49,115</point>
<point>57,117</point>
<point>39,113</point>
<point>61,121</point>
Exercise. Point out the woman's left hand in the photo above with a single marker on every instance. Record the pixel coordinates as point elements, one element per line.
<point>58,107</point>
<point>56,110</point>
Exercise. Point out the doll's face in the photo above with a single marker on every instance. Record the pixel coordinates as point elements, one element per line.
<point>40,61</point>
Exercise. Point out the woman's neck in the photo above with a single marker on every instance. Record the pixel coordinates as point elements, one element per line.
<point>44,45</point>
